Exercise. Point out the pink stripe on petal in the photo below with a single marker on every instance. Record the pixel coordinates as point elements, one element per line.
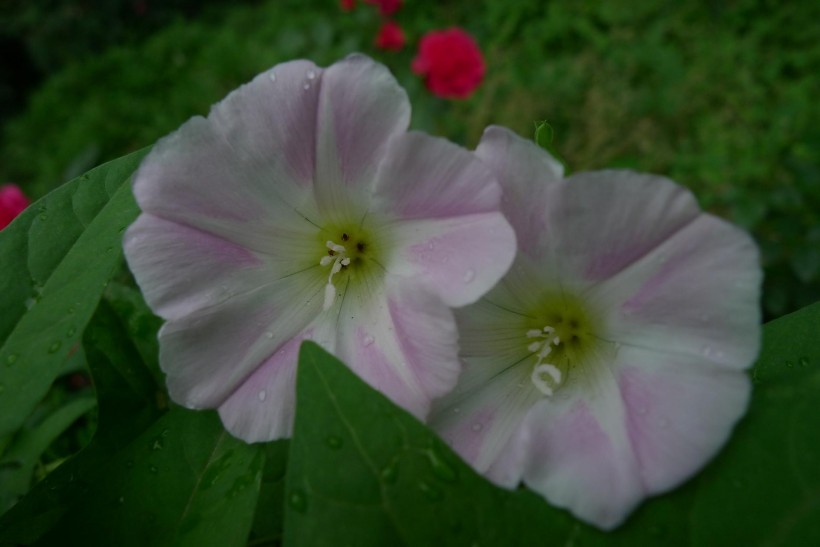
<point>262,408</point>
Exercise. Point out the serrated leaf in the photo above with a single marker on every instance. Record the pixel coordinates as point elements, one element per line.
<point>57,256</point>
<point>364,470</point>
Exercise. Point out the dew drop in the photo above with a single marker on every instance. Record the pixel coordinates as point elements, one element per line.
<point>390,473</point>
<point>11,359</point>
<point>121,500</point>
<point>789,364</point>
<point>441,469</point>
<point>476,427</point>
<point>153,469</point>
<point>306,86</point>
<point>311,74</point>
<point>54,346</point>
<point>157,445</point>
<point>431,245</point>
<point>469,275</point>
<point>430,491</point>
<point>456,410</point>
<point>262,395</point>
<point>368,341</point>
<point>43,217</point>
<point>642,410</point>
<point>272,76</point>
<point>72,309</point>
<point>297,501</point>
<point>71,331</point>
<point>804,361</point>
<point>334,442</point>
<point>269,335</point>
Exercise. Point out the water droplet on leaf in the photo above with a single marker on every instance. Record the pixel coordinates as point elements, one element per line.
<point>11,359</point>
<point>804,361</point>
<point>54,346</point>
<point>441,468</point>
<point>390,473</point>
<point>334,442</point>
<point>297,501</point>
<point>430,491</point>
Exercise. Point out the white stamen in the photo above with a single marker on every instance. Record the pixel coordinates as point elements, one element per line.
<point>535,346</point>
<point>546,350</point>
<point>556,340</point>
<point>548,329</point>
<point>540,382</point>
<point>330,296</point>
<point>339,259</point>
<point>534,333</point>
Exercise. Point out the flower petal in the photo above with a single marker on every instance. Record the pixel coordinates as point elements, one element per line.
<point>527,174</point>
<point>245,172</point>
<point>448,231</point>
<point>400,339</point>
<point>578,457</point>
<point>695,294</point>
<point>209,353</point>
<point>361,106</point>
<point>206,269</point>
<point>680,412</point>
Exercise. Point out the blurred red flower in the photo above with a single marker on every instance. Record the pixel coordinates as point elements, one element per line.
<point>390,36</point>
<point>450,63</point>
<point>386,7</point>
<point>12,203</point>
<point>347,5</point>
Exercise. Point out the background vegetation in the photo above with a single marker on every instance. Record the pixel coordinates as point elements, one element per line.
<point>720,96</point>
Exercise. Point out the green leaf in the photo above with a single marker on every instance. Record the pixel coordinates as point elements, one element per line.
<point>64,249</point>
<point>364,470</point>
<point>17,464</point>
<point>269,517</point>
<point>544,135</point>
<point>185,481</point>
<point>128,401</point>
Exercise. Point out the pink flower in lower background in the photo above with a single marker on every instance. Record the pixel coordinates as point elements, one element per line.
<point>390,37</point>
<point>608,364</point>
<point>12,202</point>
<point>450,63</point>
<point>300,208</point>
<point>386,7</point>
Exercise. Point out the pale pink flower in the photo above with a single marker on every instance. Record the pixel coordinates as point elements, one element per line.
<point>608,364</point>
<point>300,208</point>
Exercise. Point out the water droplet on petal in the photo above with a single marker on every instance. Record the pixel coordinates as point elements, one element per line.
<point>269,335</point>
<point>368,341</point>
<point>262,395</point>
<point>297,501</point>
<point>469,275</point>
<point>272,76</point>
<point>311,74</point>
<point>306,86</point>
<point>334,442</point>
<point>642,410</point>
<point>476,427</point>
<point>456,410</point>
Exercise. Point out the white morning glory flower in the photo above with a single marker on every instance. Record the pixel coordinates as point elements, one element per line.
<point>608,364</point>
<point>300,208</point>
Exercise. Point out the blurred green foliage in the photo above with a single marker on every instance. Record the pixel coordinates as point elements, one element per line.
<point>719,96</point>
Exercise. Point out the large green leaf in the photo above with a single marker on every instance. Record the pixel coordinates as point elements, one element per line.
<point>129,402</point>
<point>185,481</point>
<point>57,256</point>
<point>364,472</point>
